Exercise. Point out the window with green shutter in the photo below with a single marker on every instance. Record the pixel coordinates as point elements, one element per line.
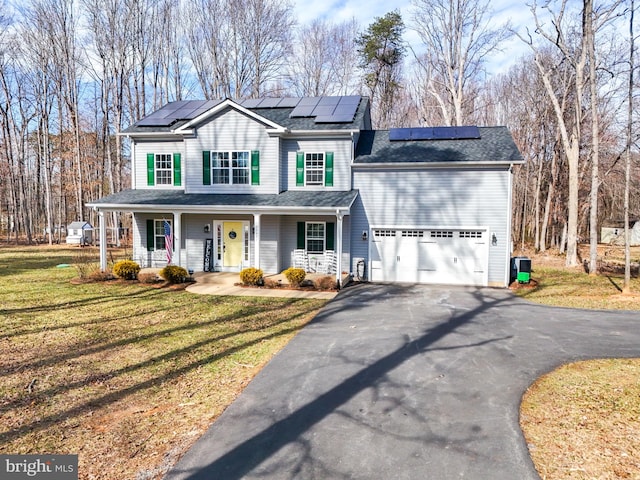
<point>151,239</point>
<point>255,167</point>
<point>164,169</point>
<point>300,244</point>
<point>177,170</point>
<point>206,168</point>
<point>328,170</point>
<point>300,169</point>
<point>329,236</point>
<point>151,169</point>
<point>316,237</point>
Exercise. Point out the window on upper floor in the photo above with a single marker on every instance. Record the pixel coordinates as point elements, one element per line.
<point>231,167</point>
<point>164,169</point>
<point>314,169</point>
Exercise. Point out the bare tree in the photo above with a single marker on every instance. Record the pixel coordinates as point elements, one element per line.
<point>570,131</point>
<point>627,177</point>
<point>323,59</point>
<point>458,38</point>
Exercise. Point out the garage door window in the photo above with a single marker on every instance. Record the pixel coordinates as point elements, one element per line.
<point>442,234</point>
<point>470,234</point>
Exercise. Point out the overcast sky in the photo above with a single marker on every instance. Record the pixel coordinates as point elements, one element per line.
<point>365,12</point>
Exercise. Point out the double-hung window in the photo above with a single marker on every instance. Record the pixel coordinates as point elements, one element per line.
<point>158,234</point>
<point>219,167</point>
<point>164,169</point>
<point>314,168</point>
<point>315,237</point>
<point>231,167</point>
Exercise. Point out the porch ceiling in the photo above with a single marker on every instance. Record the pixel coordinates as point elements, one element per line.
<point>289,202</point>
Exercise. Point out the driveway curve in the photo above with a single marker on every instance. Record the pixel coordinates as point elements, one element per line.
<point>403,382</point>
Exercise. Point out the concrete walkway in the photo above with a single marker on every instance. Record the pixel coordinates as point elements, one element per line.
<point>403,382</point>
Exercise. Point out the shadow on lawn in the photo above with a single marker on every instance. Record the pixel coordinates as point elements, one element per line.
<point>45,422</point>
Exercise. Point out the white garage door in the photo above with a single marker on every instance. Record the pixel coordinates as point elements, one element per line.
<point>447,256</point>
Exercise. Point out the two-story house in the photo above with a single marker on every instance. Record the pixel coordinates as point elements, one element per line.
<point>280,182</point>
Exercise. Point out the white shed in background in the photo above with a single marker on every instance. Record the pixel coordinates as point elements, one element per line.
<point>79,233</point>
<point>612,233</point>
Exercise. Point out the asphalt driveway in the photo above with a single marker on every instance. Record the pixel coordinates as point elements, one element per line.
<point>403,382</point>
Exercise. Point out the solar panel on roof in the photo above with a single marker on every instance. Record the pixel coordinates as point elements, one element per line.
<point>399,134</point>
<point>470,131</point>
<point>321,110</point>
<point>334,119</point>
<point>350,99</point>
<point>251,102</point>
<point>162,116</point>
<point>302,111</point>
<point>305,107</point>
<point>309,101</point>
<point>269,103</point>
<point>288,102</point>
<point>329,101</point>
<point>434,133</point>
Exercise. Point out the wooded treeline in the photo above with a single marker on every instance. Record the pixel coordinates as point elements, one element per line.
<point>74,73</point>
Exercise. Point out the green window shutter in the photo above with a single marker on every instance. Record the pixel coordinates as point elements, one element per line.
<point>151,235</point>
<point>177,170</point>
<point>206,167</point>
<point>329,234</point>
<point>328,169</point>
<point>300,169</point>
<point>151,167</point>
<point>255,167</point>
<point>301,236</point>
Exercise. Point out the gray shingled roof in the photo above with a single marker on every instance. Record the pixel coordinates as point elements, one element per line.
<point>495,145</point>
<point>177,198</point>
<point>279,116</point>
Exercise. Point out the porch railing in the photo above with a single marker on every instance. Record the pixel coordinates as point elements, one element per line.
<point>324,262</point>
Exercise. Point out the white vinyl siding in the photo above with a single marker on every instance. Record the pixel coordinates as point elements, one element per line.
<point>160,149</point>
<point>232,131</point>
<point>440,199</point>
<point>342,155</point>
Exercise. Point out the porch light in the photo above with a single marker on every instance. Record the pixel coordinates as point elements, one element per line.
<point>494,239</point>
<point>207,228</point>
<point>364,235</point>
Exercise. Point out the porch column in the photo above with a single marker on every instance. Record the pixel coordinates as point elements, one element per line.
<point>256,239</point>
<point>177,238</point>
<point>339,217</point>
<point>103,241</point>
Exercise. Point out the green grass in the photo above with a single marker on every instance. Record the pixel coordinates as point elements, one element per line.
<point>574,288</point>
<point>123,374</point>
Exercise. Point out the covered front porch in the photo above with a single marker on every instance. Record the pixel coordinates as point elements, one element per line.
<point>270,232</point>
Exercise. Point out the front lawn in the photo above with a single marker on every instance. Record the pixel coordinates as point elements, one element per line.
<point>126,375</point>
<point>582,420</point>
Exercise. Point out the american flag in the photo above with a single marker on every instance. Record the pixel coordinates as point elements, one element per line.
<point>168,240</point>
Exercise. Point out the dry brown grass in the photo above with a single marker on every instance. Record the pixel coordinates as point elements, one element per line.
<point>582,421</point>
<point>127,375</point>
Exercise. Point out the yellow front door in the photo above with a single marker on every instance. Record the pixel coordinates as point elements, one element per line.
<point>233,244</point>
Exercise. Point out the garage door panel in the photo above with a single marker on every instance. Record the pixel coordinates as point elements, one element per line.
<point>444,256</point>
